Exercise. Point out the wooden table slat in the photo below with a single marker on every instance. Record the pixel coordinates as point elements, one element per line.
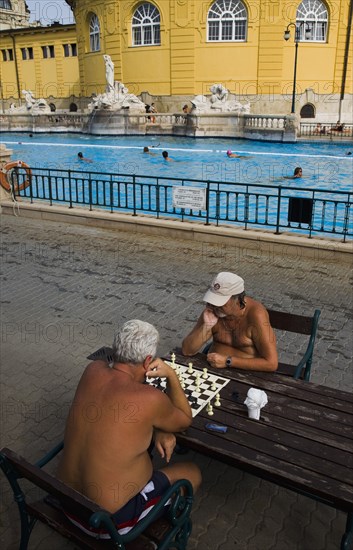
<point>336,493</point>
<point>313,456</point>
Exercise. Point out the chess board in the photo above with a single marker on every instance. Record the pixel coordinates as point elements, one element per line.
<point>197,399</point>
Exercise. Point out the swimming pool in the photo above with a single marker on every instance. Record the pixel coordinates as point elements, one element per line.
<point>325,165</point>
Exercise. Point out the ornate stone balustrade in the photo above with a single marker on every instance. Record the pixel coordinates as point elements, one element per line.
<point>99,122</point>
<point>268,122</point>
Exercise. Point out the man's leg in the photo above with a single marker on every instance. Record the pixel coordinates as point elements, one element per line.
<point>183,470</point>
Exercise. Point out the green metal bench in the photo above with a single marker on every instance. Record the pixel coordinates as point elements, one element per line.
<point>170,531</point>
<point>299,324</point>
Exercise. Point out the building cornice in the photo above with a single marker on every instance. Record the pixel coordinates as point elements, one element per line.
<point>39,30</point>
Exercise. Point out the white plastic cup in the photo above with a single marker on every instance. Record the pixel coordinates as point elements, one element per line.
<point>254,413</point>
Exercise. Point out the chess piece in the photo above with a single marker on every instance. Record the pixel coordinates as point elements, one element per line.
<point>204,373</point>
<point>217,402</point>
<point>190,369</point>
<point>197,383</point>
<point>213,386</point>
<point>173,358</point>
<point>210,410</point>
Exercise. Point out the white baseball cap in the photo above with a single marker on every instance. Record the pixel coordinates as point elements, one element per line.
<point>223,286</point>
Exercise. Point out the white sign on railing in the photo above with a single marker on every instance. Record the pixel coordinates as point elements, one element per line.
<point>189,197</point>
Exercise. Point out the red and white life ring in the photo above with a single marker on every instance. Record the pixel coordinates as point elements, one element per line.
<point>4,182</point>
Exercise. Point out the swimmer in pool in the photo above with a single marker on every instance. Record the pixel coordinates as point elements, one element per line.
<point>167,157</point>
<point>231,155</point>
<point>81,157</point>
<point>298,173</point>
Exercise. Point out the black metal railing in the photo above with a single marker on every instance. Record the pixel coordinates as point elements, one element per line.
<point>326,131</point>
<point>272,207</point>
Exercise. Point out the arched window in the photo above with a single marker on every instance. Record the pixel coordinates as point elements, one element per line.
<point>307,111</point>
<point>94,34</point>
<point>312,15</point>
<point>52,107</point>
<point>227,21</point>
<point>146,26</point>
<point>5,5</point>
<point>73,108</point>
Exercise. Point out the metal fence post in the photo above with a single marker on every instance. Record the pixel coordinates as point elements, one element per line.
<point>50,189</point>
<point>246,208</point>
<point>157,198</point>
<point>90,192</point>
<point>70,190</point>
<point>134,194</point>
<point>208,203</point>
<point>346,218</point>
<point>278,209</point>
<point>111,193</point>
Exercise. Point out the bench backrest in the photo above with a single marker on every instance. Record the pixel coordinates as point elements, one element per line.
<point>70,499</point>
<point>294,323</point>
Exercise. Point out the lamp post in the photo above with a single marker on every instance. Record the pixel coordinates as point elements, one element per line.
<point>286,37</point>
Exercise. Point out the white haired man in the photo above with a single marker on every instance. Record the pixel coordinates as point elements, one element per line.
<point>240,329</point>
<point>110,426</point>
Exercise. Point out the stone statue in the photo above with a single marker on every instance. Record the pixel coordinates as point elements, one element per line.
<point>109,72</point>
<point>219,96</point>
<point>117,98</point>
<point>30,101</point>
<point>219,101</point>
<point>33,106</point>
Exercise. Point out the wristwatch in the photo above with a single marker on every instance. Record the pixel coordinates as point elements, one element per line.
<point>229,361</point>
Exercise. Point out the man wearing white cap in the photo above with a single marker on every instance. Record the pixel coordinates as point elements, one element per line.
<point>239,327</point>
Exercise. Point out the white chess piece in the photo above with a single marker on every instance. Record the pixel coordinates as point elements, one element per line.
<point>210,410</point>
<point>213,386</point>
<point>190,369</point>
<point>204,373</point>
<point>173,358</point>
<point>217,402</point>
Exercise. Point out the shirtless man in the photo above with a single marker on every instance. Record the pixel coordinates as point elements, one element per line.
<point>240,328</point>
<point>111,423</point>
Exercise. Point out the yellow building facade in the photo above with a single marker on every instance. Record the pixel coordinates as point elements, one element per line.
<point>41,59</point>
<point>182,47</point>
<point>175,49</point>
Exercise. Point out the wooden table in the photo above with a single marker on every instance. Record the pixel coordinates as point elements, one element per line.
<point>303,440</point>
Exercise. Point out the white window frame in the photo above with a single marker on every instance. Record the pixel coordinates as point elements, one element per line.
<point>312,15</point>
<point>27,53</point>
<point>227,17</point>
<point>70,50</point>
<point>48,52</point>
<point>7,54</point>
<point>94,34</point>
<point>146,26</point>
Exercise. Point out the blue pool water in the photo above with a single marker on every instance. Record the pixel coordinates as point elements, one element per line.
<point>325,165</point>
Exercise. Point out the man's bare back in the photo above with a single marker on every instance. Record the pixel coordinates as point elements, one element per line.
<point>111,464</point>
<point>239,326</point>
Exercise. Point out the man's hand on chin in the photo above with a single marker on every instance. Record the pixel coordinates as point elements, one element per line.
<point>210,319</point>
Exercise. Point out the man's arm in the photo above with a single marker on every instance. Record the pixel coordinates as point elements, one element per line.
<point>200,334</point>
<point>174,411</point>
<point>264,341</point>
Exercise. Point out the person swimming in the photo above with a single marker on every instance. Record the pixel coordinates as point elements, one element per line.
<point>231,155</point>
<point>298,173</point>
<point>166,156</point>
<point>81,157</point>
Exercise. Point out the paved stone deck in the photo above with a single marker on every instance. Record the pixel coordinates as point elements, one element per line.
<point>65,288</point>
